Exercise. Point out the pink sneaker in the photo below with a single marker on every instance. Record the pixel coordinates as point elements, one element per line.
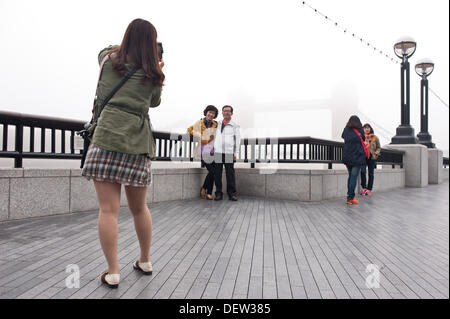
<point>363,192</point>
<point>368,193</point>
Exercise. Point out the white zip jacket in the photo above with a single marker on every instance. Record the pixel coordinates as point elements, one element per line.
<point>228,141</point>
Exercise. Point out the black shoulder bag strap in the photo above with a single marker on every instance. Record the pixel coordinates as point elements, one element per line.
<point>84,133</point>
<point>118,86</point>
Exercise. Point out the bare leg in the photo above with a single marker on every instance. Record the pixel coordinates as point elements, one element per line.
<point>109,200</point>
<point>137,202</point>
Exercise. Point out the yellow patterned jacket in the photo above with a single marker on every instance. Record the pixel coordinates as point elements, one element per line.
<point>203,134</point>
<point>373,144</point>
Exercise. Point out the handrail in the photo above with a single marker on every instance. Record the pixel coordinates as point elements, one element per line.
<point>174,146</point>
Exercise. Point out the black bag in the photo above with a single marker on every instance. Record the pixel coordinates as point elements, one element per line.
<point>89,127</point>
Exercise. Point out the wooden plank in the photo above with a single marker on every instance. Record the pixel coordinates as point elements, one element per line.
<point>255,248</point>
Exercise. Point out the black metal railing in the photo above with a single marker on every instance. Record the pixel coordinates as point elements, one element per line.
<point>169,146</point>
<point>291,150</point>
<point>304,150</point>
<point>43,126</point>
<point>64,131</point>
<point>174,147</point>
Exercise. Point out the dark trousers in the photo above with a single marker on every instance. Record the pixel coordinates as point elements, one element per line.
<point>353,172</point>
<point>370,164</point>
<point>208,184</point>
<point>219,161</point>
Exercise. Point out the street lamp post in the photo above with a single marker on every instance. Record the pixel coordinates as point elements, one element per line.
<point>424,68</point>
<point>404,49</point>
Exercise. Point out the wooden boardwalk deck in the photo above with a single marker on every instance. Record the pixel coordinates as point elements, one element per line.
<point>253,248</point>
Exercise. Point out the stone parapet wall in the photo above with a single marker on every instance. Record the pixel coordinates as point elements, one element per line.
<point>308,185</point>
<point>28,193</point>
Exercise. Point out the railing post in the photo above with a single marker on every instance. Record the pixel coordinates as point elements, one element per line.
<point>330,156</point>
<point>165,148</point>
<point>53,138</point>
<point>253,159</point>
<point>245,150</point>
<point>63,141</point>
<point>19,146</point>
<point>191,139</point>
<point>72,142</point>
<point>31,139</point>
<point>42,139</point>
<point>5,137</point>
<point>278,151</point>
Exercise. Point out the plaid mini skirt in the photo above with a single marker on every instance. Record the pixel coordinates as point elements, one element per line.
<point>114,167</point>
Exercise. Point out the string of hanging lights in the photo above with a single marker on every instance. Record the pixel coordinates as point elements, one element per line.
<point>368,44</point>
<point>351,33</point>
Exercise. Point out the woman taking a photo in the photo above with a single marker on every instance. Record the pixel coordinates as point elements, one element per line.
<point>373,144</point>
<point>122,145</point>
<point>354,155</point>
<point>204,130</point>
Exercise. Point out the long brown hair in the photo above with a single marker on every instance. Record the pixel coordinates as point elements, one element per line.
<point>140,49</point>
<point>354,122</point>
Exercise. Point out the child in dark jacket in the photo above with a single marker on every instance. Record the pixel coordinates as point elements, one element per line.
<point>353,155</point>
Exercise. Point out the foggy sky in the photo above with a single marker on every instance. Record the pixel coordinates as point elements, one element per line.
<point>263,57</point>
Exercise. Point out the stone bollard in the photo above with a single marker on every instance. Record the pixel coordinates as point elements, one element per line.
<point>435,166</point>
<point>415,163</point>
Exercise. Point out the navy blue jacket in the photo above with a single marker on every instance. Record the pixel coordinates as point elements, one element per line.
<point>353,152</point>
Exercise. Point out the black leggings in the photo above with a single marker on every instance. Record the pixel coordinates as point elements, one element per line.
<point>208,184</point>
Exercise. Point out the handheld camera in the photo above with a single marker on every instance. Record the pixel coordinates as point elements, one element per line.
<point>160,51</point>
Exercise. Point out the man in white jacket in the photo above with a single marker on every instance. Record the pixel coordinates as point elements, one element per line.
<point>226,149</point>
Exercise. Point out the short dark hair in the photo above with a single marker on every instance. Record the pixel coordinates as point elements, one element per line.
<point>211,108</point>
<point>229,107</point>
<point>369,126</point>
<point>354,122</point>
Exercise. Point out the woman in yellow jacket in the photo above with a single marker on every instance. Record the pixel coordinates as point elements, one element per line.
<point>204,130</point>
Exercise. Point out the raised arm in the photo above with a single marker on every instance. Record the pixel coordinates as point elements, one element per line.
<point>105,51</point>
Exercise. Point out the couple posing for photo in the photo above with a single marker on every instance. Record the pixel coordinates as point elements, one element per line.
<point>219,144</point>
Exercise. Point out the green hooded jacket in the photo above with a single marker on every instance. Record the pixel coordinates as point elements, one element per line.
<point>124,124</point>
